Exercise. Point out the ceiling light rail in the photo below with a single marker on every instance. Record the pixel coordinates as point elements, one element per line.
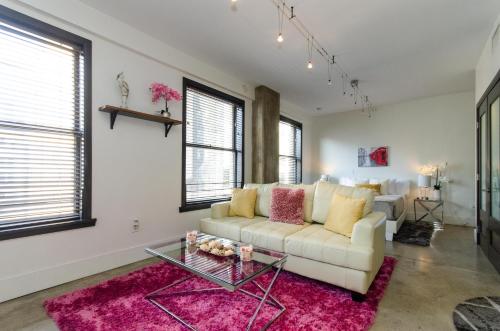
<point>313,44</point>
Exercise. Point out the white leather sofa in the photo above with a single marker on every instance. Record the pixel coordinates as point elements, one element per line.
<point>314,252</point>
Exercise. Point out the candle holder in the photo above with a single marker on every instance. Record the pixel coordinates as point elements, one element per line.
<point>191,237</point>
<point>246,253</point>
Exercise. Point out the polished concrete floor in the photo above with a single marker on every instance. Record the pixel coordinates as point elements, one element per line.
<point>426,285</point>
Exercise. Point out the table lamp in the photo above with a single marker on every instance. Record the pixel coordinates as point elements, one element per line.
<point>424,181</point>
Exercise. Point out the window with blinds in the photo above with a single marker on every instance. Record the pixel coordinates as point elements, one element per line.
<point>212,145</point>
<point>43,146</point>
<point>290,142</point>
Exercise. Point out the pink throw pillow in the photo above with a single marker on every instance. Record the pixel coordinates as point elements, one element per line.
<point>287,205</point>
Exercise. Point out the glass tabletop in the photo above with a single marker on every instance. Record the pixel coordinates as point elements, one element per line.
<point>229,272</point>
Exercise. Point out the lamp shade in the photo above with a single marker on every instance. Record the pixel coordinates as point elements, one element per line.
<point>424,181</point>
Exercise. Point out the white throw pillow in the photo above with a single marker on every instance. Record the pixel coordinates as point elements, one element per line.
<point>384,185</point>
<point>263,201</point>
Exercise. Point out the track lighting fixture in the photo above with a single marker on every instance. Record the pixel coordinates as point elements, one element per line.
<point>330,65</point>
<point>313,45</point>
<point>281,13</point>
<point>310,44</point>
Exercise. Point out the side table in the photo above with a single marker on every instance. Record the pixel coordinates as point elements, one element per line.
<point>430,206</point>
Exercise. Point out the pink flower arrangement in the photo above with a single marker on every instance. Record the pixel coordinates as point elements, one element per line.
<point>161,91</point>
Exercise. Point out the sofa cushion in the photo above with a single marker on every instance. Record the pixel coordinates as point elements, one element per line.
<point>263,201</point>
<point>309,191</point>
<point>270,235</point>
<point>343,214</point>
<point>316,243</point>
<point>324,193</point>
<point>287,205</point>
<point>227,227</point>
<point>243,202</point>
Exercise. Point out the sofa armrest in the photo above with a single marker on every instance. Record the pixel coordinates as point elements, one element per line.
<point>370,230</point>
<point>220,209</point>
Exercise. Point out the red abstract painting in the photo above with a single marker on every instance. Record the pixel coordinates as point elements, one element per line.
<point>373,157</point>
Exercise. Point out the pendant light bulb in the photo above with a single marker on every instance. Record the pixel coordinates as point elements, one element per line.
<point>280,38</point>
<point>330,83</point>
<point>309,65</point>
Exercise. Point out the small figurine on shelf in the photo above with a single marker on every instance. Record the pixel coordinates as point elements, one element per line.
<point>124,90</point>
<point>161,91</point>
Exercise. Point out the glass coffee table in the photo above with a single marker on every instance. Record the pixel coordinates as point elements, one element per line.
<point>227,273</point>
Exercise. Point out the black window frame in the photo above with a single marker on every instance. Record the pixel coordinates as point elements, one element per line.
<point>298,177</point>
<point>189,83</point>
<point>29,228</point>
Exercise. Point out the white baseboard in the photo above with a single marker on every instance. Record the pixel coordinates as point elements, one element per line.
<point>26,283</point>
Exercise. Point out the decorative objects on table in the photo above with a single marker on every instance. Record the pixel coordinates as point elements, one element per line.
<point>373,156</point>
<point>437,172</point>
<point>216,247</point>
<point>116,302</point>
<point>480,313</point>
<point>124,89</point>
<point>161,91</point>
<point>430,206</point>
<point>246,252</point>
<point>191,237</point>
<point>424,182</point>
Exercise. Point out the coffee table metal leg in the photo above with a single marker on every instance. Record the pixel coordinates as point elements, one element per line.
<point>264,298</point>
<point>267,298</point>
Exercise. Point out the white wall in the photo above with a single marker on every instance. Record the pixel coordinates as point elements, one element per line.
<point>418,132</point>
<point>489,61</point>
<point>136,170</point>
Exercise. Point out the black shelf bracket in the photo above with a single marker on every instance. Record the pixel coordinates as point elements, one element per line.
<point>168,126</point>
<point>112,118</point>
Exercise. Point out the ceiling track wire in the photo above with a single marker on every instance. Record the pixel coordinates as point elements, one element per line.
<point>314,44</point>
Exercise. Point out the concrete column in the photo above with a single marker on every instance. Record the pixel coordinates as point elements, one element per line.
<point>265,135</point>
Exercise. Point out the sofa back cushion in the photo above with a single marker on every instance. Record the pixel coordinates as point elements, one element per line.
<point>344,212</point>
<point>324,194</point>
<point>263,201</point>
<point>243,202</point>
<point>287,205</point>
<point>309,191</point>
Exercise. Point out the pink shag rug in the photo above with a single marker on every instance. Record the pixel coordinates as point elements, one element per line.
<point>119,304</point>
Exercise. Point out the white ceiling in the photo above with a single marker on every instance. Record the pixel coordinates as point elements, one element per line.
<point>398,49</point>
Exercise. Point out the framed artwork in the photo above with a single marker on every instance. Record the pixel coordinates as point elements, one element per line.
<point>373,156</point>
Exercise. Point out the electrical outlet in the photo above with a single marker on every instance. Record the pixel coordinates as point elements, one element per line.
<point>136,226</point>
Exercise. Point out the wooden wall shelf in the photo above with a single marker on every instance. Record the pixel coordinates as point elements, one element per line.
<point>114,111</point>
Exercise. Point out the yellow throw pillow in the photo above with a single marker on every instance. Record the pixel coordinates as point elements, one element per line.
<point>243,202</point>
<point>344,212</point>
<point>374,187</point>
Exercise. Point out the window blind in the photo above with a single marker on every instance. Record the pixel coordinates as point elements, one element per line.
<point>213,145</point>
<point>290,150</point>
<point>41,126</point>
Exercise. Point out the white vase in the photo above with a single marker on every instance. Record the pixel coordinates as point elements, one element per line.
<point>436,194</point>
